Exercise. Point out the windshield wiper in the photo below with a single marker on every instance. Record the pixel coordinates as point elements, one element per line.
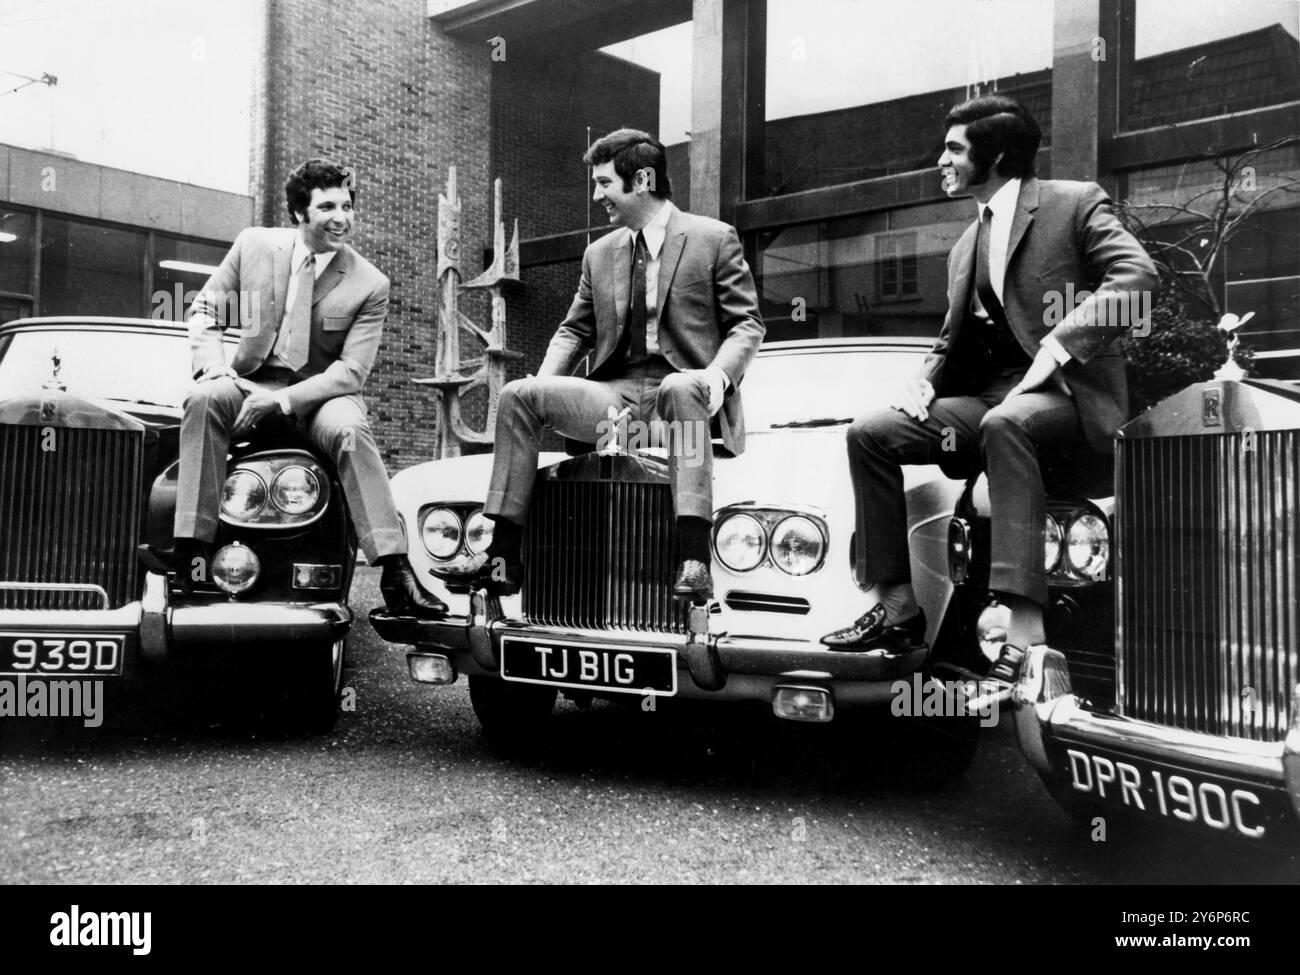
<point>821,421</point>
<point>140,402</point>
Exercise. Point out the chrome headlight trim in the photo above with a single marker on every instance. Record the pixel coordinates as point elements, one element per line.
<point>735,520</point>
<point>267,467</point>
<point>1097,532</point>
<point>453,521</point>
<point>1052,544</point>
<point>813,530</point>
<point>314,489</point>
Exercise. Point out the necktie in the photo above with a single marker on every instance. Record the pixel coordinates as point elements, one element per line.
<point>983,282</point>
<point>296,338</point>
<point>636,312</point>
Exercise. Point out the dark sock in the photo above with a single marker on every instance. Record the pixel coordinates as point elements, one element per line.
<point>507,540</point>
<point>693,539</point>
<point>391,559</point>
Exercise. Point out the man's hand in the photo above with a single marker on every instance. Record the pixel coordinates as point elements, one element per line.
<point>913,397</point>
<point>258,405</point>
<point>216,372</point>
<point>1042,370</point>
<point>717,380</point>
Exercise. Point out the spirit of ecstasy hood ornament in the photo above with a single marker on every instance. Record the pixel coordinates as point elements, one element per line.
<point>54,382</point>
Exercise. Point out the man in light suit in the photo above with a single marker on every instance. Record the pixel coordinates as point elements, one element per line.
<point>314,311</point>
<point>667,309</point>
<point>1013,374</point>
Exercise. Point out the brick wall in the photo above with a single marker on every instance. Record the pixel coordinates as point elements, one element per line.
<point>374,84</point>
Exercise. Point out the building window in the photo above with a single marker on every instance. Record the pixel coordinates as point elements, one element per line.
<point>878,274</point>
<point>91,270</point>
<point>181,268</point>
<point>1258,270</point>
<point>17,260</point>
<point>856,91</point>
<point>1201,58</point>
<point>896,267</point>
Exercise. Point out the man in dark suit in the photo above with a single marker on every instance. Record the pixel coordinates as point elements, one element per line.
<point>667,309</point>
<point>313,311</point>
<point>1009,378</point>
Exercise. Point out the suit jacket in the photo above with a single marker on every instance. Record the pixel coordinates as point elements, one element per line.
<point>1065,239</point>
<point>349,304</point>
<point>706,295</point>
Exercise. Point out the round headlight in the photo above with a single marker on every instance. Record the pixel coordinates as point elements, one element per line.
<point>235,568</point>
<point>797,545</point>
<point>440,532</point>
<point>1087,547</point>
<point>740,542</point>
<point>1052,545</point>
<point>295,490</point>
<point>243,495</point>
<point>478,532</point>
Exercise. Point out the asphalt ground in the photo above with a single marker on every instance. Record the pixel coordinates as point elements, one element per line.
<point>174,790</point>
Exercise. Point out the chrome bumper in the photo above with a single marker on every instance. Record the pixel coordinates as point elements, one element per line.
<point>750,666</point>
<point>1048,716</point>
<point>158,628</point>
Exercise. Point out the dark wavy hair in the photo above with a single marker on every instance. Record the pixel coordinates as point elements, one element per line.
<point>998,124</point>
<point>315,174</point>
<point>631,150</point>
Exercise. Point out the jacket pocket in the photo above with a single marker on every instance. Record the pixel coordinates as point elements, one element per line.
<point>336,323</point>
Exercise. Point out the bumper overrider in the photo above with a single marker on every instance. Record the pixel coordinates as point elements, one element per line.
<point>803,680</point>
<point>155,628</point>
<point>1244,789</point>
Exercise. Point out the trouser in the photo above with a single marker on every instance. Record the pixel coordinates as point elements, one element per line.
<point>583,410</point>
<point>1006,437</point>
<point>338,427</point>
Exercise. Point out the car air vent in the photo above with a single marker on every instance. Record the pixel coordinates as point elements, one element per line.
<point>762,602</point>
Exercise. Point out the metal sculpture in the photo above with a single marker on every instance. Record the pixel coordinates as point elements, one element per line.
<point>450,379</point>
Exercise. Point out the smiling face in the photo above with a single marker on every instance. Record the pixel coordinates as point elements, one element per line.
<point>328,220</point>
<point>630,208</point>
<point>962,175</point>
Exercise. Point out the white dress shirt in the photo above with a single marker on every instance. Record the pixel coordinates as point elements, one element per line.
<point>1004,203</point>
<point>656,231</point>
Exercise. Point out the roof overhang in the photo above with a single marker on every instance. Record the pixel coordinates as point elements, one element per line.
<point>556,23</point>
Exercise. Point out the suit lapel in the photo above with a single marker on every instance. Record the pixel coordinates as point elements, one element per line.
<point>336,272</point>
<point>622,259</point>
<point>280,279</point>
<point>1025,207</point>
<point>670,255</point>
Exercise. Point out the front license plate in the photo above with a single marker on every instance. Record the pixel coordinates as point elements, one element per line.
<point>1219,804</point>
<point>591,667</point>
<point>88,654</point>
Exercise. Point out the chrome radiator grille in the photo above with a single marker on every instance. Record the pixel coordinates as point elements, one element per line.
<point>1208,541</point>
<point>69,514</point>
<point>599,555</point>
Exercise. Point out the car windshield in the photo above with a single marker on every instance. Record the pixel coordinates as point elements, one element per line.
<point>821,387</point>
<point>100,363</point>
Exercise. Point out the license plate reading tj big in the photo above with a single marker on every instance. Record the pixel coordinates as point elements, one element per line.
<point>1210,802</point>
<point>97,654</point>
<point>595,667</point>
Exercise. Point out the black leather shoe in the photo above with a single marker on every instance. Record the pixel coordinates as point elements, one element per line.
<point>403,595</point>
<point>694,581</point>
<point>498,576</point>
<point>873,631</point>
